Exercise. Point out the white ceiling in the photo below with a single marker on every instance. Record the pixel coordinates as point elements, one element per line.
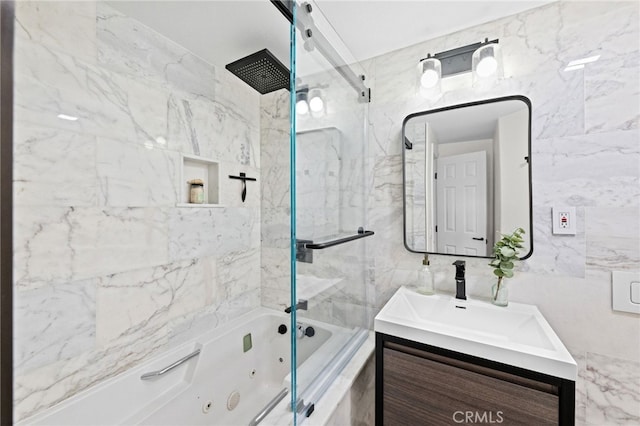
<point>221,31</point>
<point>480,121</point>
<point>373,27</point>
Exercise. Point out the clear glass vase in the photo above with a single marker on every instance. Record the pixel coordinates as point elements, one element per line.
<point>500,296</point>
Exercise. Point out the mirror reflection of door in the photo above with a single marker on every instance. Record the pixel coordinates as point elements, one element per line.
<point>461,186</point>
<point>458,213</point>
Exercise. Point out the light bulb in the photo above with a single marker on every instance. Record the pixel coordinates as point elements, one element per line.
<point>302,107</point>
<point>316,104</point>
<point>487,66</point>
<point>429,78</point>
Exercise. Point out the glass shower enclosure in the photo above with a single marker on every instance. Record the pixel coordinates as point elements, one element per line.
<point>329,234</point>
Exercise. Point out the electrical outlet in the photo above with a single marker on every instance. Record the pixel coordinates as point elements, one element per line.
<point>564,220</point>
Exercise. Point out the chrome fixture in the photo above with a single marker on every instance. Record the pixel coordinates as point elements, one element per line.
<point>269,407</point>
<point>304,331</point>
<point>460,282</point>
<point>168,368</point>
<point>302,305</point>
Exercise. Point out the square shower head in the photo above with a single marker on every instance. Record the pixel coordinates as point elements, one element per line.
<point>262,71</point>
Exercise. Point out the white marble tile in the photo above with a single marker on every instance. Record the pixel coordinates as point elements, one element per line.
<point>240,97</point>
<point>613,238</point>
<point>598,169</point>
<point>275,184</point>
<point>69,26</point>
<point>54,245</point>
<point>198,232</point>
<point>612,94</point>
<point>53,167</point>
<point>131,175</point>
<point>275,227</point>
<point>53,383</point>
<point>387,182</point>
<point>105,104</point>
<point>613,390</point>
<point>205,320</point>
<point>605,221</point>
<point>213,130</point>
<point>275,298</point>
<point>238,273</point>
<point>132,302</point>
<point>275,277</point>
<point>53,323</point>
<point>127,46</point>
<point>581,389</point>
<point>557,254</point>
<point>274,133</point>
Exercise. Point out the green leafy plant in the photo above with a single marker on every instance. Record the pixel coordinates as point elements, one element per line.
<point>505,252</point>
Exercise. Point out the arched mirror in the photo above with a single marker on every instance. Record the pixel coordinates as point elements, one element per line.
<point>467,177</point>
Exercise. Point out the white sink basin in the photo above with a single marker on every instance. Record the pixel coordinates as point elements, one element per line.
<point>517,335</point>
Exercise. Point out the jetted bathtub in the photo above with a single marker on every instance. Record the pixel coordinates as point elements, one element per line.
<point>239,370</point>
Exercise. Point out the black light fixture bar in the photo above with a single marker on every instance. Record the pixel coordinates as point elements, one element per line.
<point>458,60</point>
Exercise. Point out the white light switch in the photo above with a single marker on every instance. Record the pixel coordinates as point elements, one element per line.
<point>635,292</point>
<point>564,220</point>
<point>626,291</point>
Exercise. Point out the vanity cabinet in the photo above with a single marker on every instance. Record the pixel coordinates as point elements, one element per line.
<point>418,384</point>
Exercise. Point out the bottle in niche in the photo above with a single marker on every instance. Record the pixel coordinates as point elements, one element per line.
<point>425,277</point>
<point>196,192</point>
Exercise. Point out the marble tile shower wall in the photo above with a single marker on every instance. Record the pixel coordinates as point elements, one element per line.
<point>108,271</point>
<point>586,153</point>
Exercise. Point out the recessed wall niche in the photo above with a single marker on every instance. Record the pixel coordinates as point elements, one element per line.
<point>194,167</point>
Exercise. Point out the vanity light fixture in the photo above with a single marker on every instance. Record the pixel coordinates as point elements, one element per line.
<point>309,100</point>
<point>487,62</point>
<point>316,103</point>
<point>430,72</point>
<point>302,101</point>
<point>483,58</point>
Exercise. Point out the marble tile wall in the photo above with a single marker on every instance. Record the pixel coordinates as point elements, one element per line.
<point>108,271</point>
<point>586,153</point>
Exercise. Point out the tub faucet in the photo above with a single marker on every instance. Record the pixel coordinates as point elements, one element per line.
<point>302,305</point>
<point>460,283</point>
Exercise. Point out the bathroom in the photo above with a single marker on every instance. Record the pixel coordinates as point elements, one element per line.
<point>113,268</point>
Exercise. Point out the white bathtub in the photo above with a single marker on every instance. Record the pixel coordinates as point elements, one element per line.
<point>223,385</point>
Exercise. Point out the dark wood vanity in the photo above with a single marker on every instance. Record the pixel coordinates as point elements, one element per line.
<point>418,384</point>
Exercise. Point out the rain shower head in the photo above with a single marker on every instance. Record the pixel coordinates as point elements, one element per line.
<point>262,71</point>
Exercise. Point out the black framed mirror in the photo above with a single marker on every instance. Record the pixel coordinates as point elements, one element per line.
<point>467,177</point>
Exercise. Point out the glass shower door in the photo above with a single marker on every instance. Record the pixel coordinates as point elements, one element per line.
<point>329,228</point>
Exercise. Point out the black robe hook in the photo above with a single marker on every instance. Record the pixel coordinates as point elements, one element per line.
<point>243,177</point>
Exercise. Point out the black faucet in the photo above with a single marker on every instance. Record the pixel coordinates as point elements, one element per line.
<point>302,305</point>
<point>460,284</point>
